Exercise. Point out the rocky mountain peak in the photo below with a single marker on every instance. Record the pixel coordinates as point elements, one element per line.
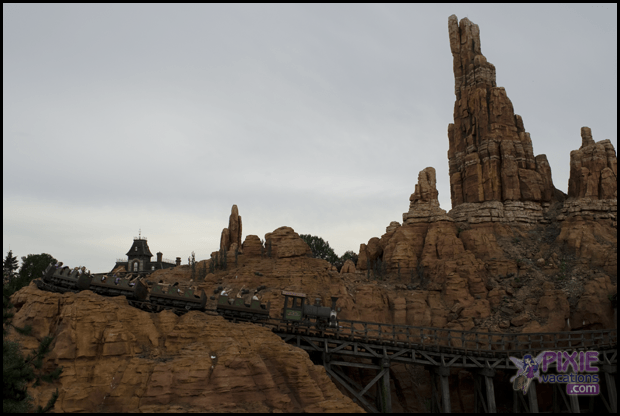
<point>491,157</point>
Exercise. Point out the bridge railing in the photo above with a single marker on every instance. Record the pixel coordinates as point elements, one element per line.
<point>452,339</point>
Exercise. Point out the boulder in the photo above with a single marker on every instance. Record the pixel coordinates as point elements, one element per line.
<point>285,242</point>
<point>348,267</point>
<point>252,246</point>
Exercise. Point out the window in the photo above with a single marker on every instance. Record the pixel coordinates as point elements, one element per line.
<point>135,266</point>
<point>136,249</point>
<point>152,267</point>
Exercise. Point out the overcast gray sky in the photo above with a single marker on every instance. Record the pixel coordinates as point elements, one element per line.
<point>318,117</point>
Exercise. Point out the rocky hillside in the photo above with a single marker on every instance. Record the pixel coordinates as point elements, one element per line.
<point>116,358</point>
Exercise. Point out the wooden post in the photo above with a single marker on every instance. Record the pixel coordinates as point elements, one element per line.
<point>574,403</point>
<point>532,398</point>
<point>488,374</point>
<point>490,394</point>
<point>384,392</point>
<point>611,388</point>
<point>515,402</point>
<point>444,374</point>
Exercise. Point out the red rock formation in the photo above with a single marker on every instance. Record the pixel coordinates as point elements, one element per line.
<point>231,236</point>
<point>593,169</point>
<point>348,267</point>
<point>490,156</point>
<point>252,246</point>
<point>285,242</point>
<point>424,206</point>
<point>592,189</point>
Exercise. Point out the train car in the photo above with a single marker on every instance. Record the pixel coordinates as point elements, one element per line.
<point>114,286</point>
<point>237,308</point>
<point>173,296</point>
<point>299,312</point>
<point>63,278</point>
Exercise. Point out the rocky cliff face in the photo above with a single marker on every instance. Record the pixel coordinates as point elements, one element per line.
<point>119,359</point>
<point>491,157</point>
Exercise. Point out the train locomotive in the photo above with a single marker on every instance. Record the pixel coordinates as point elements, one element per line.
<point>297,311</point>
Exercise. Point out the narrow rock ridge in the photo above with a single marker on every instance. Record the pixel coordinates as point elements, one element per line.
<point>231,236</point>
<point>491,157</point>
<point>593,182</point>
<point>424,205</point>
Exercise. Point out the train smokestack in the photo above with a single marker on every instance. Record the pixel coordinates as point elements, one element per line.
<point>334,300</point>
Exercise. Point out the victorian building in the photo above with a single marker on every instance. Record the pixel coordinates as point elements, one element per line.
<point>139,259</point>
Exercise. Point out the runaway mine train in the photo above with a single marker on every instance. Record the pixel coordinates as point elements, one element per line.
<point>297,311</point>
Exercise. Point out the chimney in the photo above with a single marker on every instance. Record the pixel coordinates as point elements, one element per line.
<point>159,255</point>
<point>178,261</point>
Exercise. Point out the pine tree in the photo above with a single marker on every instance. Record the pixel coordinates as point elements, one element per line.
<point>320,248</point>
<point>192,263</point>
<point>9,266</point>
<point>18,371</point>
<point>203,272</point>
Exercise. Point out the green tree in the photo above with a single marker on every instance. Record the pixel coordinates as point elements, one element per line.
<point>349,255</point>
<point>320,248</point>
<point>192,262</point>
<point>9,266</point>
<point>18,371</point>
<point>203,272</point>
<point>32,268</point>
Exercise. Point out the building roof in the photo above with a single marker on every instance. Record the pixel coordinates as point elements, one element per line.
<point>142,248</point>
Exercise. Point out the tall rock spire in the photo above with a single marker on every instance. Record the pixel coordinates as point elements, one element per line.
<point>490,155</point>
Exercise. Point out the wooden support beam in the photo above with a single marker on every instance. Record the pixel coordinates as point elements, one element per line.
<point>611,389</point>
<point>384,394</point>
<point>435,406</point>
<point>515,402</point>
<point>351,390</point>
<point>479,397</point>
<point>490,394</point>
<point>445,394</point>
<point>357,365</point>
<point>346,378</point>
<point>574,403</point>
<point>532,398</point>
<point>373,381</point>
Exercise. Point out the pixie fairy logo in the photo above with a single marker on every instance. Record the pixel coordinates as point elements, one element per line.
<point>565,362</point>
<point>528,369</point>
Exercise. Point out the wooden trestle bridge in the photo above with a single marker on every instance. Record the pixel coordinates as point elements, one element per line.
<point>375,346</point>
